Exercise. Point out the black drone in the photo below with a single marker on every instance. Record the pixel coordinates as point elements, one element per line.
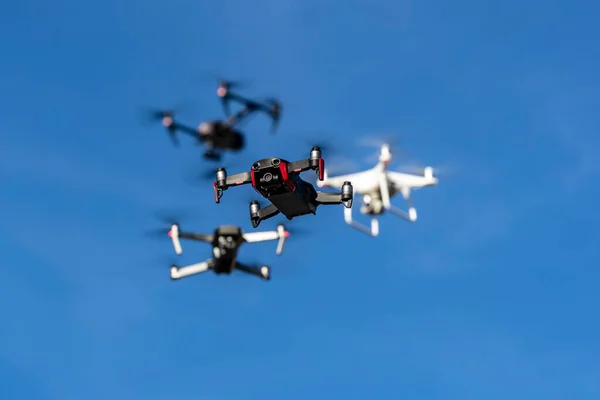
<point>225,241</point>
<point>222,134</point>
<point>279,181</point>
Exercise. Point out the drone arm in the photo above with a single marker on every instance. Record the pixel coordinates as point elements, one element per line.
<point>280,234</point>
<point>242,178</point>
<point>188,130</point>
<point>237,117</point>
<point>314,162</point>
<point>249,105</point>
<point>344,197</point>
<point>182,272</point>
<point>255,237</point>
<point>258,214</point>
<point>256,271</point>
<point>223,182</point>
<point>175,234</point>
<point>299,166</point>
<point>227,96</point>
<point>200,237</point>
<point>374,231</point>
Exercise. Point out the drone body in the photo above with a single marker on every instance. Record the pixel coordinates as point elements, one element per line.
<point>377,186</point>
<point>279,181</point>
<point>221,135</point>
<point>225,241</point>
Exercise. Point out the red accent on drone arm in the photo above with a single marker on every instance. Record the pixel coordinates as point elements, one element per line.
<point>283,168</point>
<point>299,166</point>
<point>242,178</point>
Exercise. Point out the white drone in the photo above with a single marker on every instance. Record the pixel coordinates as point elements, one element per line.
<point>377,185</point>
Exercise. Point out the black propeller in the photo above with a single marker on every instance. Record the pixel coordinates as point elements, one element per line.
<point>309,140</point>
<point>166,219</point>
<point>223,91</point>
<point>377,141</point>
<point>275,112</point>
<point>167,118</point>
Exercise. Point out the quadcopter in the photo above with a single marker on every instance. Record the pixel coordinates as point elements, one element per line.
<point>279,181</point>
<point>377,185</point>
<point>226,241</point>
<point>222,134</point>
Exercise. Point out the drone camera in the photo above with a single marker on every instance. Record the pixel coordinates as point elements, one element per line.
<point>269,179</point>
<point>268,173</point>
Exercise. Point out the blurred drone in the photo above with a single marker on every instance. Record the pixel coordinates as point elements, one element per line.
<point>377,185</point>
<point>279,181</point>
<point>221,134</point>
<point>226,241</point>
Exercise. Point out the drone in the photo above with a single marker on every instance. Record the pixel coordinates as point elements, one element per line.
<point>221,134</point>
<point>279,181</point>
<point>377,185</point>
<point>226,241</point>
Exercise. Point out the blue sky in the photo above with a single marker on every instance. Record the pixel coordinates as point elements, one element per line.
<point>489,295</point>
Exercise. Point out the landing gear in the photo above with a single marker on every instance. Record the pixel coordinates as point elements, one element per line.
<point>212,155</point>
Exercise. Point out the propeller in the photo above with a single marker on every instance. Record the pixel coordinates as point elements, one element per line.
<point>221,80</point>
<point>307,140</point>
<point>419,169</point>
<point>342,165</point>
<point>154,114</point>
<point>377,141</point>
<point>223,89</point>
<point>276,109</point>
<point>166,219</point>
<point>200,174</point>
<point>167,118</point>
<point>158,233</point>
<point>227,84</point>
<point>336,166</point>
